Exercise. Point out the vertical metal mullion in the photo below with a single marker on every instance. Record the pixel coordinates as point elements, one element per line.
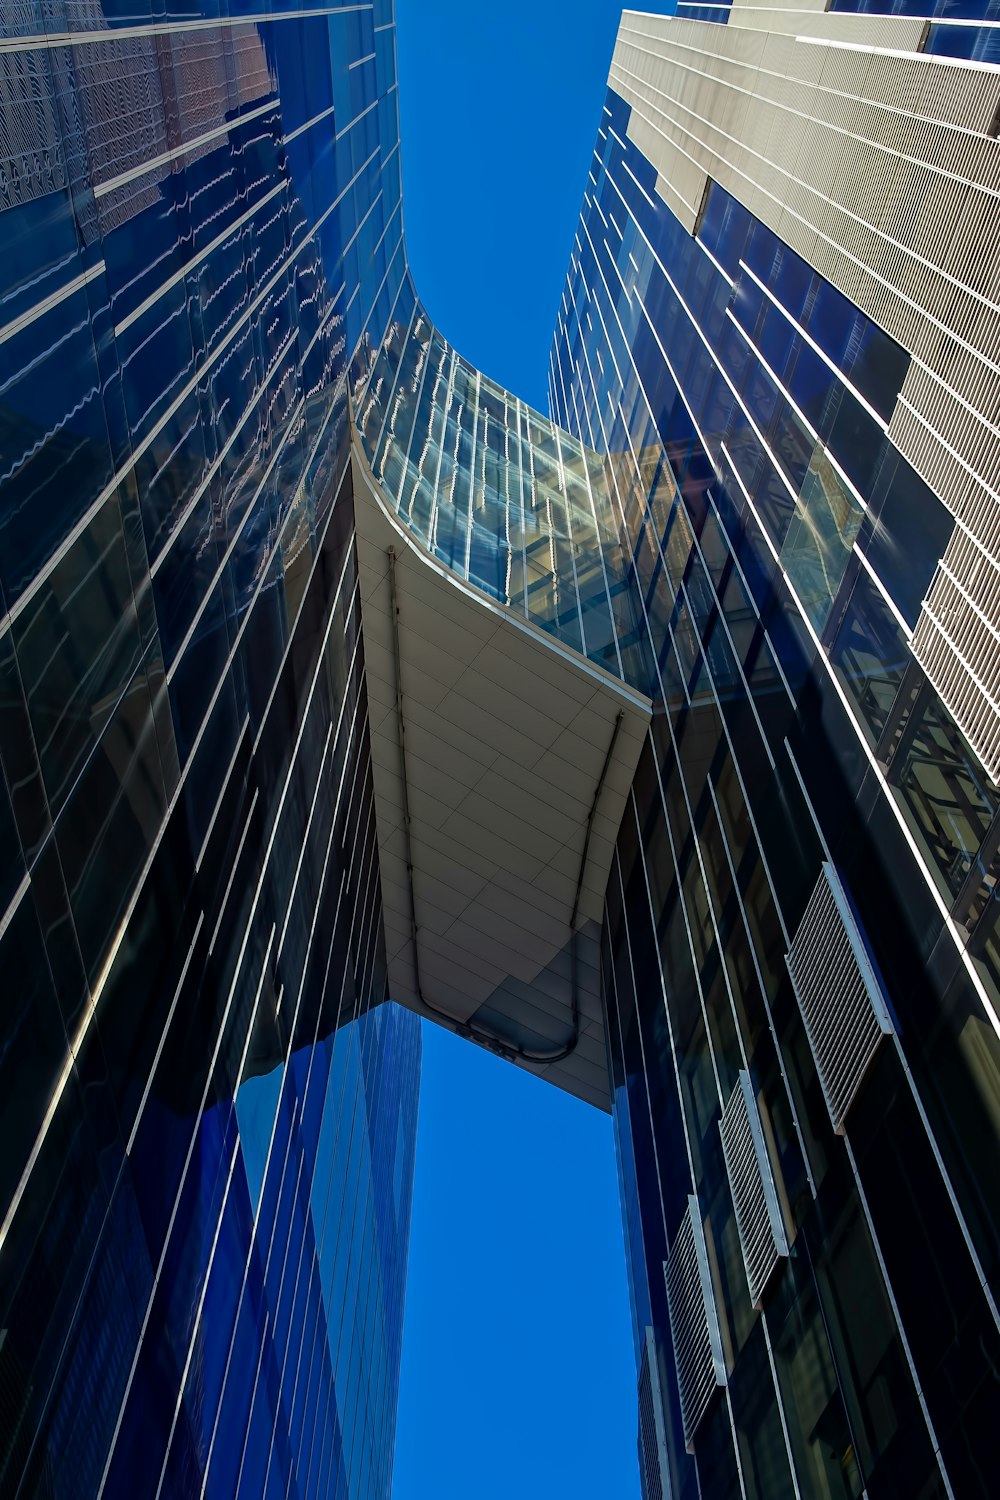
<point>472,476</point>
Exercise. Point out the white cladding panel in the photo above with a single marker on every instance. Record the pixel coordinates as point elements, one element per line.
<point>880,167</point>
<point>839,996</point>
<point>751,1179</point>
<point>694,1322</point>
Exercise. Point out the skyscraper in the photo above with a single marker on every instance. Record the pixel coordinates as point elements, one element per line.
<point>780,325</point>
<point>651,744</point>
<point>208,1118</point>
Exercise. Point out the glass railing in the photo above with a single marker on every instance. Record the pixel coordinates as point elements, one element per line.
<point>510,502</point>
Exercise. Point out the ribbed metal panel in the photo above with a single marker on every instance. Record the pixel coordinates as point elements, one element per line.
<point>842,1006</point>
<point>652,1436</point>
<point>881,168</point>
<point>755,1199</point>
<point>957,642</point>
<point>694,1322</point>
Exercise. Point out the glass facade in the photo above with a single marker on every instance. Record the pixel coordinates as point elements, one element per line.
<point>781,545</point>
<point>207,1106</point>
<point>208,1117</point>
<point>507,500</point>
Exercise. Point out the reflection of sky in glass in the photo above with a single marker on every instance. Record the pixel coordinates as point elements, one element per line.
<point>256,1103</point>
<point>327,1140</point>
<point>506,499</point>
<point>820,536</point>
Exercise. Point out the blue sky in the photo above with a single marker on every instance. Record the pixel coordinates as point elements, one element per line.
<point>499,103</point>
<point>518,1377</point>
<point>518,1380</point>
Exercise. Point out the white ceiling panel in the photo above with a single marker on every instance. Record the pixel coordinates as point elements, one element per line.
<point>506,733</point>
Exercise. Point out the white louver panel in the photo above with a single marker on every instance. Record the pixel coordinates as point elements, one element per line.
<point>957,642</point>
<point>694,1323</point>
<point>652,1437</point>
<point>755,1198</point>
<point>839,996</point>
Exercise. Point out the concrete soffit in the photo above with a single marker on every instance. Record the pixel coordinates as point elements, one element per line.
<point>518,756</point>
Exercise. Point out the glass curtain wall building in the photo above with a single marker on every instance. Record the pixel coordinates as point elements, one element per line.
<point>652,744</point>
<point>208,1119</point>
<point>495,490</point>
<point>779,324</point>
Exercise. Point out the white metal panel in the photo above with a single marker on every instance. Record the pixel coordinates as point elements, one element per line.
<point>957,642</point>
<point>880,167</point>
<point>694,1321</point>
<point>842,1005</point>
<point>652,1435</point>
<point>751,1178</point>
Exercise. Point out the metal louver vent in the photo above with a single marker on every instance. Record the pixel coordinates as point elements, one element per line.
<point>839,996</point>
<point>755,1198</point>
<point>957,642</point>
<point>652,1438</point>
<point>694,1323</point>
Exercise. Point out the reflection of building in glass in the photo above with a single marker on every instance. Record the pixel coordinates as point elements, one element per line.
<point>208,1118</point>
<point>655,752</point>
<point>784,282</point>
<point>502,496</point>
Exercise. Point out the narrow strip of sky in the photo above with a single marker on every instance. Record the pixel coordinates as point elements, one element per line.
<point>500,101</point>
<point>518,1375</point>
